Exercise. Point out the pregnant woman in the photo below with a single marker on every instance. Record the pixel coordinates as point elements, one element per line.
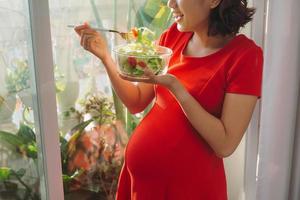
<point>202,106</point>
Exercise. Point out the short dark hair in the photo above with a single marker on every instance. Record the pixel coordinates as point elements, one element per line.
<point>229,16</point>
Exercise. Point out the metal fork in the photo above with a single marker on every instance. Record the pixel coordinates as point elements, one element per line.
<point>125,35</point>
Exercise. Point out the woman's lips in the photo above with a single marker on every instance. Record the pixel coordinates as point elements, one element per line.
<point>177,17</point>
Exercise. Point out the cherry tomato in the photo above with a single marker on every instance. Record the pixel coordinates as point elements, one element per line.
<point>142,64</point>
<point>132,61</point>
<point>135,32</point>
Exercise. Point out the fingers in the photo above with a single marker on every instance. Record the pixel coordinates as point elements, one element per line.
<point>87,24</point>
<point>80,28</point>
<point>148,72</point>
<point>137,79</point>
<point>86,41</point>
<point>87,37</point>
<point>149,77</point>
<point>88,32</point>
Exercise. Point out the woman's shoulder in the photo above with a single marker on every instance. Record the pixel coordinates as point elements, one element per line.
<point>242,52</point>
<point>242,44</point>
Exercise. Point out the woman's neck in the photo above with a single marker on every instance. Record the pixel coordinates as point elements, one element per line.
<point>201,44</point>
<point>203,41</point>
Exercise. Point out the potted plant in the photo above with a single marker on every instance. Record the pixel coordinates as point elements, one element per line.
<point>18,183</point>
<point>92,154</point>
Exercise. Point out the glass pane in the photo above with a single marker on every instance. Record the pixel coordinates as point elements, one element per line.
<point>94,126</point>
<point>20,163</point>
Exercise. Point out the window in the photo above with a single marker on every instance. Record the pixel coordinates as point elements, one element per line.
<point>21,155</point>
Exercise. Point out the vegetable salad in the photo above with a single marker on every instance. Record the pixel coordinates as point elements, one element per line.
<point>140,53</point>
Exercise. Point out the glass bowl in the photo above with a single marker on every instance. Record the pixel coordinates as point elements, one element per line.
<point>131,62</point>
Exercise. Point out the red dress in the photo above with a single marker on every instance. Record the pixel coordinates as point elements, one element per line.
<point>166,159</point>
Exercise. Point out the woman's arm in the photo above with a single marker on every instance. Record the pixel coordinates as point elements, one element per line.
<point>136,97</point>
<point>223,135</point>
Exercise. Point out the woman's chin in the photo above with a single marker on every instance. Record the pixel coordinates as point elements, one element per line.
<point>182,28</point>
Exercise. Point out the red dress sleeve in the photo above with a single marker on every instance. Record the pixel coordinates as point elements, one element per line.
<point>245,75</point>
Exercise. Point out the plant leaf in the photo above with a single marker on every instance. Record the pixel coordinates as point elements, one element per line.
<point>63,152</point>
<point>4,173</point>
<point>21,172</point>
<point>27,134</point>
<point>13,140</point>
<point>31,151</point>
<point>66,178</point>
<point>63,144</point>
<point>71,145</point>
<point>81,126</point>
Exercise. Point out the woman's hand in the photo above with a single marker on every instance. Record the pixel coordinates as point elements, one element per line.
<point>166,80</point>
<point>92,41</point>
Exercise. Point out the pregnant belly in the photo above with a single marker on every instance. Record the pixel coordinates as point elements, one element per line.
<point>163,139</point>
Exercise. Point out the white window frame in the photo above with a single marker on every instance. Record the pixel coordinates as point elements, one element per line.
<point>44,102</point>
<point>252,137</point>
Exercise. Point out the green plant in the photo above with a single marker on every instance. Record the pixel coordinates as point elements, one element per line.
<point>18,77</point>
<point>99,107</point>
<point>92,158</point>
<point>9,176</point>
<point>22,143</point>
<point>95,155</point>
